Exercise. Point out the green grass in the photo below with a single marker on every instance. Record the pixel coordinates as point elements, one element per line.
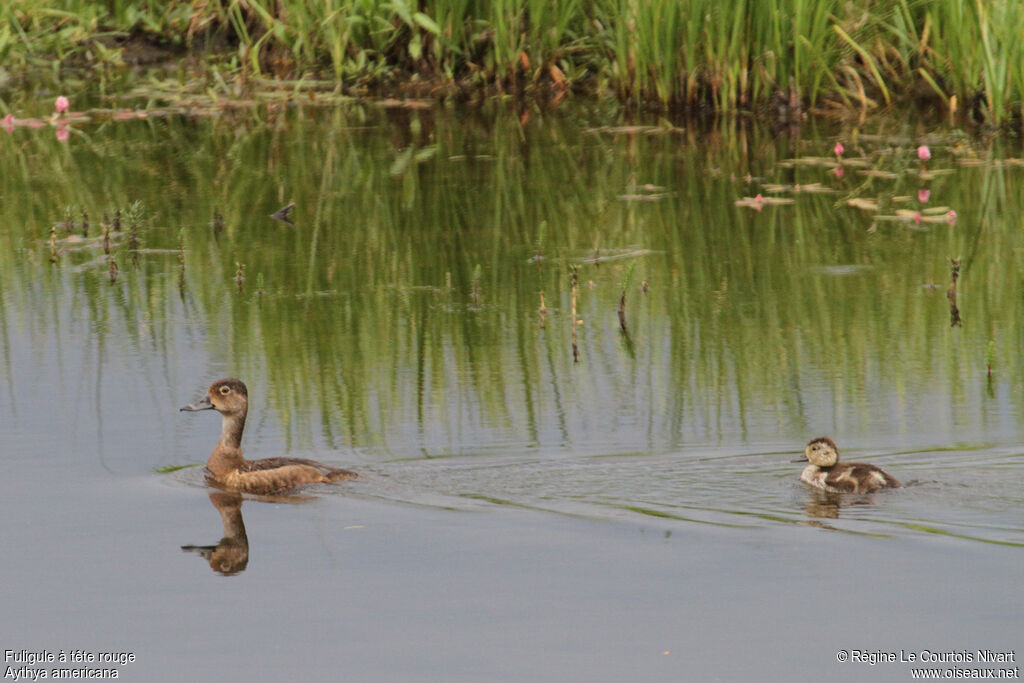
<point>726,56</point>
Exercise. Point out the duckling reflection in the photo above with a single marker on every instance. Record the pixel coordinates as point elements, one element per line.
<point>228,469</point>
<point>231,555</point>
<point>822,504</point>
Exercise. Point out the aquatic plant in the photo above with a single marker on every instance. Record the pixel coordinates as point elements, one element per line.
<point>785,57</point>
<point>626,280</point>
<point>134,213</point>
<point>476,284</point>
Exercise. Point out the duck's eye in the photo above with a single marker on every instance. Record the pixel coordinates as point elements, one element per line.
<point>225,390</point>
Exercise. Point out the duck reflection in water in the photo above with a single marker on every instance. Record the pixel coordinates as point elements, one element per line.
<point>231,555</point>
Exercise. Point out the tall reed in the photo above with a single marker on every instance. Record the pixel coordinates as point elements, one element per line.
<point>727,56</point>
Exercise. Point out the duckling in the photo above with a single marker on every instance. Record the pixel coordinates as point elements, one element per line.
<point>827,473</point>
<point>226,466</point>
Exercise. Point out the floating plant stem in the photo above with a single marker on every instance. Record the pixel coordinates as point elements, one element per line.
<point>85,223</point>
<point>954,311</point>
<point>626,280</point>
<point>284,214</point>
<point>540,239</point>
<point>239,274</point>
<point>259,284</point>
<point>117,220</point>
<point>133,235</point>
<point>68,223</point>
<point>53,244</point>
<point>134,216</point>
<point>990,353</point>
<point>476,284</point>
<point>181,250</point>
<point>543,310</point>
<point>112,269</point>
<point>574,286</point>
<point>106,240</point>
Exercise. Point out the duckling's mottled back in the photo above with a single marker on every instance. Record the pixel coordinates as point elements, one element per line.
<point>827,473</point>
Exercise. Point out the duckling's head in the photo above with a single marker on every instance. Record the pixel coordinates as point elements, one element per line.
<point>822,452</point>
<point>226,396</point>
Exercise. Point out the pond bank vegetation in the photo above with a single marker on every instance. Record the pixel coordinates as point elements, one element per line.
<point>777,58</point>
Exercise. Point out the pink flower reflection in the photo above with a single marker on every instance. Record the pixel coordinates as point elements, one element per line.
<point>923,195</point>
<point>63,131</point>
<point>8,123</point>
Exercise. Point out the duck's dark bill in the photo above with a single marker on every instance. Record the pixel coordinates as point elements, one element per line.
<point>804,459</point>
<point>203,404</point>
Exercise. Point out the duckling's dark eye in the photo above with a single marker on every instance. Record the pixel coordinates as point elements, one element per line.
<point>225,390</point>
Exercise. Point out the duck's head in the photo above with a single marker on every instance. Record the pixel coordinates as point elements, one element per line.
<point>226,396</point>
<point>822,452</point>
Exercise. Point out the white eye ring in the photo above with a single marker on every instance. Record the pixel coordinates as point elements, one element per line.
<point>225,390</point>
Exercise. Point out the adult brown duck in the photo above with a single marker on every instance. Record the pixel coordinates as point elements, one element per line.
<point>227,467</point>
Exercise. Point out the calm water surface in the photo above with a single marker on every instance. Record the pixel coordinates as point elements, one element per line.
<point>546,496</point>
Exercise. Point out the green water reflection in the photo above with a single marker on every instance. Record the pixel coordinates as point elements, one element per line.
<point>399,315</point>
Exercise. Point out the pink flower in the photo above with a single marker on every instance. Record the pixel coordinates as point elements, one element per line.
<point>951,217</point>
<point>923,195</point>
<point>8,123</point>
<point>63,131</point>
<point>61,105</point>
<point>923,153</point>
<point>838,149</point>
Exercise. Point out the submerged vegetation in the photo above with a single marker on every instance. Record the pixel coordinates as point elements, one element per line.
<point>778,57</point>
